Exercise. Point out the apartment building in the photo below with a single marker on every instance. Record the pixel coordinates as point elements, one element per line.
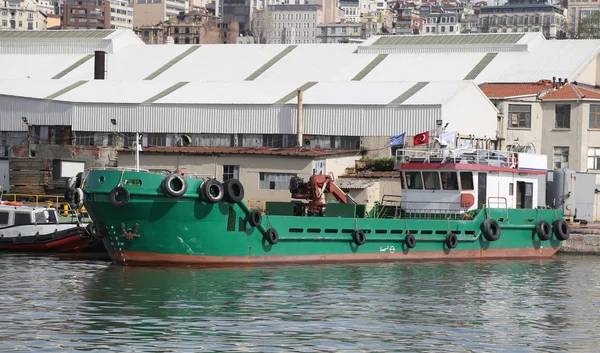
<point>577,11</point>
<point>195,27</point>
<point>83,15</point>
<point>338,32</point>
<point>529,16</point>
<point>287,24</point>
<point>151,12</point>
<point>121,14</point>
<point>22,15</point>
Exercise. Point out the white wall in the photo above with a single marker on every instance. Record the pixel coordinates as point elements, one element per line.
<point>471,112</point>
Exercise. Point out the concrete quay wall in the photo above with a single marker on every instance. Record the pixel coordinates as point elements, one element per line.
<point>583,241</point>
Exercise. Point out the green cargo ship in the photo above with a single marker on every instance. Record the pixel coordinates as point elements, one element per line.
<point>455,206</point>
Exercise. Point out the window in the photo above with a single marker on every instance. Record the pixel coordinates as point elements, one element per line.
<point>594,116</point>
<point>594,158</point>
<point>466,180</point>
<point>519,116</point>
<point>414,180</point>
<point>561,157</point>
<point>432,180</point>
<point>4,218</point>
<point>22,218</point>
<point>275,181</point>
<point>563,116</point>
<point>451,28</point>
<point>449,180</point>
<point>84,138</point>
<point>231,172</point>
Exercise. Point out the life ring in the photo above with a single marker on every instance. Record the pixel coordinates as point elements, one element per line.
<point>91,230</point>
<point>212,191</point>
<point>543,230</point>
<point>491,229</point>
<point>255,218</point>
<point>69,195</point>
<point>119,196</point>
<point>561,229</point>
<point>272,236</point>
<point>174,185</point>
<point>77,198</point>
<point>358,236</point>
<point>410,240</point>
<point>234,190</point>
<point>451,240</point>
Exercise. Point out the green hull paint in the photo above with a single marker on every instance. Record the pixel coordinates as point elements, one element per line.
<point>219,233</point>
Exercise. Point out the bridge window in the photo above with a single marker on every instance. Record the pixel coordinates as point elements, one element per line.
<point>432,180</point>
<point>466,180</point>
<point>449,181</point>
<point>414,180</point>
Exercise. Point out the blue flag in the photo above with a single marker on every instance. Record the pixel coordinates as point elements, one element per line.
<point>397,140</point>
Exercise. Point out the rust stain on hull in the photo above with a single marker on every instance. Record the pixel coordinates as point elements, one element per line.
<point>141,258</point>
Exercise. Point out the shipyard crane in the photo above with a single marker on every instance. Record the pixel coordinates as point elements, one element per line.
<point>314,191</point>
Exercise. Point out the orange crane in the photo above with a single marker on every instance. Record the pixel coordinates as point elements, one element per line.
<point>314,191</point>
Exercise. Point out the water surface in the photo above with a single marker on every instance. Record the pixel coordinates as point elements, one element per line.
<point>52,304</point>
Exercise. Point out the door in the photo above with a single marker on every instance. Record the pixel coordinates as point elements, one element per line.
<point>524,194</point>
<point>482,189</point>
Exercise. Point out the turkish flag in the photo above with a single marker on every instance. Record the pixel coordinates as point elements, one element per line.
<point>421,138</point>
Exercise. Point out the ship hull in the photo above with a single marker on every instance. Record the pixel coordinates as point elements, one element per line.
<point>70,239</point>
<point>153,229</point>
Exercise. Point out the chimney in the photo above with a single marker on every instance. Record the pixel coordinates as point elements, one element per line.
<point>559,82</point>
<point>99,65</point>
<point>553,81</point>
<point>566,81</point>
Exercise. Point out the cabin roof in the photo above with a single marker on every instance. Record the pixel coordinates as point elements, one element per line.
<point>464,167</point>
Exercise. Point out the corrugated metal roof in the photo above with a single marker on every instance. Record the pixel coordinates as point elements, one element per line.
<point>354,93</point>
<point>424,67</point>
<point>132,63</point>
<point>244,92</point>
<point>101,91</point>
<point>449,39</point>
<point>66,42</point>
<point>318,62</point>
<point>549,58</point>
<point>33,89</point>
<point>306,152</point>
<point>438,92</point>
<point>217,62</point>
<point>20,66</point>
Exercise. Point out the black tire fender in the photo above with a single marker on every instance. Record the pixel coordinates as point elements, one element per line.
<point>543,229</point>
<point>410,241</point>
<point>451,240</point>
<point>212,191</point>
<point>234,190</point>
<point>491,229</point>
<point>255,218</point>
<point>116,194</point>
<point>561,229</point>
<point>272,236</point>
<point>77,198</point>
<point>359,238</point>
<point>174,185</point>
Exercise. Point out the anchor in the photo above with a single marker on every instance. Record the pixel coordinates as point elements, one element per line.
<point>131,233</point>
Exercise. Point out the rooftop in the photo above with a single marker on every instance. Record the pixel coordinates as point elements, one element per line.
<point>298,152</point>
<point>507,90</point>
<point>572,92</point>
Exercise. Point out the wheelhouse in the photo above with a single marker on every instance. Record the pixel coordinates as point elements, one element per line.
<point>467,179</point>
<point>23,215</point>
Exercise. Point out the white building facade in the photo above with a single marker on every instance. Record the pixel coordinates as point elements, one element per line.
<point>287,24</point>
<point>22,16</point>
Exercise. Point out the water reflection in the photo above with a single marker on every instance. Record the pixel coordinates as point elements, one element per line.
<point>538,306</point>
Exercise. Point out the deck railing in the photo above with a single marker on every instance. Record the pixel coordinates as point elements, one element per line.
<point>459,155</point>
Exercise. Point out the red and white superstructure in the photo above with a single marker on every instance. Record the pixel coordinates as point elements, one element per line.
<point>465,179</point>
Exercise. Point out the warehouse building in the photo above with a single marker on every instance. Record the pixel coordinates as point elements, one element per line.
<point>224,102</point>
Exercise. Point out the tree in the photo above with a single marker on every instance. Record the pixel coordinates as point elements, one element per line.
<point>589,27</point>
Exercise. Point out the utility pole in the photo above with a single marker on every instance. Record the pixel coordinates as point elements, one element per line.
<point>26,123</point>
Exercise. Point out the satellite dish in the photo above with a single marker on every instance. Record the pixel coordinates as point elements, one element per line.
<point>307,143</point>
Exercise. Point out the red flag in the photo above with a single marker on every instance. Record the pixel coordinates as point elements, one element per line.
<point>421,138</point>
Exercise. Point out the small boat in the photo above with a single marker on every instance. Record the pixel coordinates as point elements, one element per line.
<point>455,205</point>
<point>38,229</point>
